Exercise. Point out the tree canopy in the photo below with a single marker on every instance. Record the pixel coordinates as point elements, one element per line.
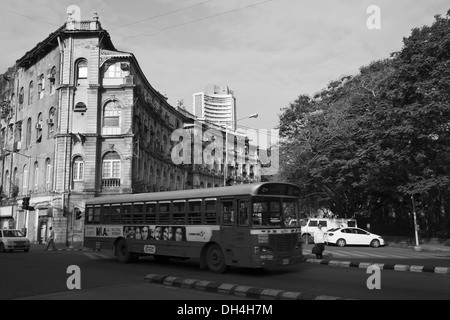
<point>373,144</point>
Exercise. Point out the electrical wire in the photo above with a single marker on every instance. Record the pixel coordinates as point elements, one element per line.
<point>160,15</point>
<point>30,18</point>
<point>197,20</point>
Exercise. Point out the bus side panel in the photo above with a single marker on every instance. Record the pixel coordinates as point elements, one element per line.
<point>167,248</point>
<point>99,243</point>
<point>236,246</point>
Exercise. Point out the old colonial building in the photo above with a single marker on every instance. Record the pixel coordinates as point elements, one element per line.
<point>79,119</point>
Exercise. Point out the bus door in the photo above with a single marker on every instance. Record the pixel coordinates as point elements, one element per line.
<point>235,229</point>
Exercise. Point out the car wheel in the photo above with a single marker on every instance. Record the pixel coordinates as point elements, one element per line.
<point>2,248</point>
<point>341,243</point>
<point>215,259</point>
<point>375,243</point>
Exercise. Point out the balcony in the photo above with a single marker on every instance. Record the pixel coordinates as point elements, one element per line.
<point>83,25</point>
<point>111,183</point>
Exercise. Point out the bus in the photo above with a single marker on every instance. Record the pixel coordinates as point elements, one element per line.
<point>243,225</point>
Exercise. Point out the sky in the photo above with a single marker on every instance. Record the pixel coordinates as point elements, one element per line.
<point>268,52</point>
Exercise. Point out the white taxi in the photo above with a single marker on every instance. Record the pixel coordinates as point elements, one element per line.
<point>353,236</point>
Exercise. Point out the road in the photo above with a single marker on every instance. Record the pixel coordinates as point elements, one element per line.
<point>43,275</point>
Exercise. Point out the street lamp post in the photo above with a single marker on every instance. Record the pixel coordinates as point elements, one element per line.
<point>417,246</point>
<point>225,167</point>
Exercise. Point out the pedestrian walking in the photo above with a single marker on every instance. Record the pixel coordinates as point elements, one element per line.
<point>51,239</point>
<point>319,240</point>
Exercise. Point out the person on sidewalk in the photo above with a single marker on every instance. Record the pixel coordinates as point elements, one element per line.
<point>51,239</point>
<point>319,240</point>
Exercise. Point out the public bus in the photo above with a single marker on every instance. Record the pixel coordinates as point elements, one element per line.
<point>243,225</point>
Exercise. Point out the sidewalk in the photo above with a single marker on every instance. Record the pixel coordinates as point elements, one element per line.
<point>422,247</point>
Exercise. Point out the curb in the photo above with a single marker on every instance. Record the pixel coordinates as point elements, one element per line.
<point>422,248</point>
<point>386,266</point>
<point>234,289</point>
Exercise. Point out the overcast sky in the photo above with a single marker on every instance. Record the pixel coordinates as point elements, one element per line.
<point>267,51</point>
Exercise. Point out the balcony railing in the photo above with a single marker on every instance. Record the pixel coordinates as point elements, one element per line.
<point>111,183</point>
<point>83,25</point>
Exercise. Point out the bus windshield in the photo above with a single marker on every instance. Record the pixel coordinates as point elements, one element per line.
<point>273,212</point>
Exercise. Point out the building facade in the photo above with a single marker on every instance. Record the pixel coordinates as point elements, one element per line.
<point>217,104</point>
<point>78,120</point>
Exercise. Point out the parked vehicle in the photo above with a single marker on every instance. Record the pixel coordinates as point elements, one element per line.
<point>11,239</point>
<point>309,226</point>
<point>353,236</point>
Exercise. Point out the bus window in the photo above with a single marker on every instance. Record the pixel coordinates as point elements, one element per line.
<point>179,212</point>
<point>127,217</point>
<point>274,219</point>
<point>96,218</point>
<point>164,212</point>
<point>210,211</point>
<point>195,212</point>
<point>259,209</point>
<point>138,213</point>
<point>243,213</point>
<point>227,212</point>
<point>89,214</point>
<point>290,213</point>
<point>115,213</point>
<point>106,213</point>
<point>150,212</point>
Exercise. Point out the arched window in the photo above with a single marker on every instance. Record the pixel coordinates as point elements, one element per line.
<point>41,86</point>
<point>15,179</point>
<point>14,184</point>
<point>111,170</point>
<point>36,176</point>
<point>28,141</point>
<point>52,78</point>
<point>6,183</point>
<point>21,97</point>
<point>82,69</point>
<point>48,174</point>
<point>25,180</point>
<point>78,169</point>
<point>39,125</point>
<point>112,118</point>
<point>51,122</point>
<point>30,93</point>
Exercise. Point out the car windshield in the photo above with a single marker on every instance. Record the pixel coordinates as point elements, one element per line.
<point>333,229</point>
<point>12,233</point>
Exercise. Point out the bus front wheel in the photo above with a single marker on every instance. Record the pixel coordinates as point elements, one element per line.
<point>215,259</point>
<point>122,253</point>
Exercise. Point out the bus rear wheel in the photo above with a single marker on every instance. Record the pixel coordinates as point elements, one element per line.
<point>215,259</point>
<point>122,253</point>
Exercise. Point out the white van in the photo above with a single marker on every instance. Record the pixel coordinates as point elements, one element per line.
<point>13,240</point>
<point>309,226</point>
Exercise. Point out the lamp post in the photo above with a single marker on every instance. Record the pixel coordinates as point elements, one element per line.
<point>417,246</point>
<point>225,167</point>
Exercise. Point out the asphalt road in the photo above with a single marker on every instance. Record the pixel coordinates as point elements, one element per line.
<point>43,275</point>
